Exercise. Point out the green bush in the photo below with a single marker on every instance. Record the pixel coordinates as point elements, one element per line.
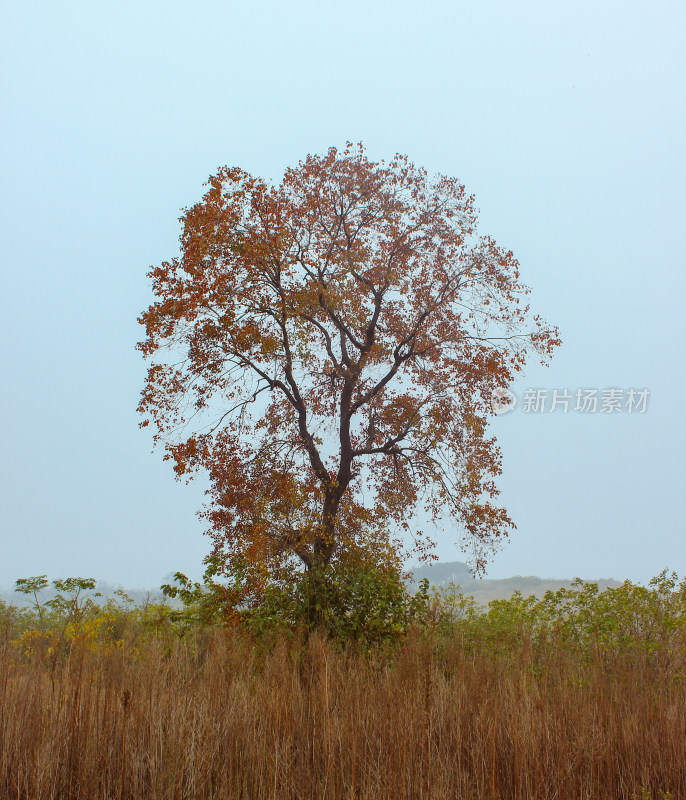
<point>366,605</point>
<point>358,603</point>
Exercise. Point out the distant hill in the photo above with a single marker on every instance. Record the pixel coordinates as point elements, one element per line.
<point>483,590</point>
<point>107,590</point>
<point>439,574</point>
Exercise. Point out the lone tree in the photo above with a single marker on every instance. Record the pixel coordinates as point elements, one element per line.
<point>326,350</point>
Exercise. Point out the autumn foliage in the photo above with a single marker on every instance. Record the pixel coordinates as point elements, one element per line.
<point>325,350</point>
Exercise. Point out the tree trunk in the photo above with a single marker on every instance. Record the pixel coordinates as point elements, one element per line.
<point>321,590</point>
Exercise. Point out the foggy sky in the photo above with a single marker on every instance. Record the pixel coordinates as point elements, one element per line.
<point>565,120</point>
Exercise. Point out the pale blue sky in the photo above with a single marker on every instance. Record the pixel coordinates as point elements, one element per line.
<point>567,121</point>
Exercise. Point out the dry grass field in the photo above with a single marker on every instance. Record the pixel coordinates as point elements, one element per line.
<point>470,711</point>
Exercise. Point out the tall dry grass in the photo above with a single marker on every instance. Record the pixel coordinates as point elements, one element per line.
<point>220,718</point>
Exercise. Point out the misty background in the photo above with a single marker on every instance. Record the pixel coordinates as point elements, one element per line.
<point>567,122</point>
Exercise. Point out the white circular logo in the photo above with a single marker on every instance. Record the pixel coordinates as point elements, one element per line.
<point>502,400</point>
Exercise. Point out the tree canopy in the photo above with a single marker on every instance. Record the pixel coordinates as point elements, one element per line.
<point>325,350</point>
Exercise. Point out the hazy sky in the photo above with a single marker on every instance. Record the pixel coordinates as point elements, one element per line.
<point>566,120</point>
